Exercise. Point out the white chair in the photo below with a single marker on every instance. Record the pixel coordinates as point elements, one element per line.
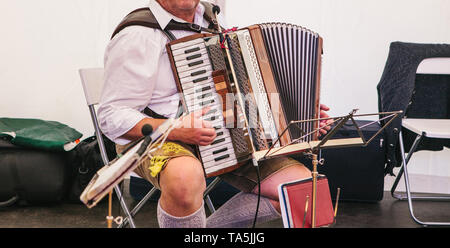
<point>423,128</point>
<point>92,81</point>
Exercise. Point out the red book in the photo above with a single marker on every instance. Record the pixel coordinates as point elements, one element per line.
<point>293,198</point>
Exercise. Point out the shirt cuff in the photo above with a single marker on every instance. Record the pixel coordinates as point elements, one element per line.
<point>127,122</point>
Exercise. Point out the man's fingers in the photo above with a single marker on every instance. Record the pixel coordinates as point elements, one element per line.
<point>202,112</point>
<point>206,124</point>
<point>324,107</point>
<point>323,114</point>
<point>324,128</point>
<point>207,136</point>
<point>207,139</point>
<point>208,132</point>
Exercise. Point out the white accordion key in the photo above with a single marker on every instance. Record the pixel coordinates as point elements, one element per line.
<point>212,154</point>
<point>191,75</point>
<point>186,57</point>
<point>220,165</point>
<point>206,87</point>
<point>219,160</point>
<point>192,60</point>
<point>208,101</point>
<point>199,95</point>
<point>189,49</point>
<point>192,65</point>
<point>187,44</point>
<point>219,142</point>
<point>197,83</point>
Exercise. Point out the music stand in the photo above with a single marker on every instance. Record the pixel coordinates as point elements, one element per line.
<point>312,148</point>
<point>113,173</point>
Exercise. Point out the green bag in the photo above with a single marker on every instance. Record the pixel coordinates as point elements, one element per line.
<point>39,134</point>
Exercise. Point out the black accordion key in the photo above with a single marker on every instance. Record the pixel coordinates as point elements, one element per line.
<point>222,157</point>
<point>200,80</point>
<point>198,73</point>
<point>218,141</point>
<point>196,56</point>
<point>220,151</point>
<point>195,63</point>
<point>203,89</point>
<point>192,50</point>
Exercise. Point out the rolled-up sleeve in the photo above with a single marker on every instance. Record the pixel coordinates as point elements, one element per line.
<point>131,62</point>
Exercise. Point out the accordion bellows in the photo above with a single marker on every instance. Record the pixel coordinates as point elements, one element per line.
<point>256,80</point>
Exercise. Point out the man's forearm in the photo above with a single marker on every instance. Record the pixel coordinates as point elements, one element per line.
<point>136,132</point>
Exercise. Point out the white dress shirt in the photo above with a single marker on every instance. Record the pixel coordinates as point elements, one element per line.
<point>138,74</point>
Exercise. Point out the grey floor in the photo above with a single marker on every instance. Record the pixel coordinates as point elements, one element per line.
<point>388,213</point>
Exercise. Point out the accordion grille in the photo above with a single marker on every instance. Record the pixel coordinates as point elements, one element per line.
<point>216,57</point>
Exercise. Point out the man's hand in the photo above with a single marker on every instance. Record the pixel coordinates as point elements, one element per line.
<point>324,123</point>
<point>194,130</point>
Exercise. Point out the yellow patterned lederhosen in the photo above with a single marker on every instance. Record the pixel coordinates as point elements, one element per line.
<point>244,178</point>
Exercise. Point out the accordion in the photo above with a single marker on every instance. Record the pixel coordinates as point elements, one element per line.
<point>255,80</point>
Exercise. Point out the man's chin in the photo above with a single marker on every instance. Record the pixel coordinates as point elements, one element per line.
<point>188,5</point>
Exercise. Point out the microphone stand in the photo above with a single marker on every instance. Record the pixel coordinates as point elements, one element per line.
<point>146,131</point>
<point>315,162</point>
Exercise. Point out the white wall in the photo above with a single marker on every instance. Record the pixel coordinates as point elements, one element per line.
<point>45,42</point>
<point>356,35</point>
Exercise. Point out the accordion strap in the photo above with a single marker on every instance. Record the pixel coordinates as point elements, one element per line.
<point>145,17</point>
<point>153,114</point>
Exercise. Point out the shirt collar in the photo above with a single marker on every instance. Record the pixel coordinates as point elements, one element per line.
<point>163,17</point>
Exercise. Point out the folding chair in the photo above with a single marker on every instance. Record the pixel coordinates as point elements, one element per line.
<point>422,128</point>
<point>92,81</point>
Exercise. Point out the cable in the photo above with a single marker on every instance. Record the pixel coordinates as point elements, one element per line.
<point>146,131</point>
<point>259,195</point>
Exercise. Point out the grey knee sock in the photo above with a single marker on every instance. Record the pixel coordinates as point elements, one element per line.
<point>195,220</point>
<point>240,210</point>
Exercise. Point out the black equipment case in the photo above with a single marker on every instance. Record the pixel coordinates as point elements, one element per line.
<point>31,176</point>
<point>357,171</point>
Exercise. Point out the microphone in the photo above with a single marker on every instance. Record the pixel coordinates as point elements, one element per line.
<point>146,130</point>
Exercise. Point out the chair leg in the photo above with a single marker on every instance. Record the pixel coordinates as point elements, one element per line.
<point>210,187</point>
<point>209,203</point>
<point>124,206</point>
<point>409,195</point>
<point>404,161</point>
<point>138,206</point>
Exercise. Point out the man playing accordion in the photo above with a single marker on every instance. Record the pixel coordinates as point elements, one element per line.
<point>138,76</point>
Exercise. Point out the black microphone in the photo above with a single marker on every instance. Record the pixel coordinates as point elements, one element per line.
<point>216,9</point>
<point>146,130</point>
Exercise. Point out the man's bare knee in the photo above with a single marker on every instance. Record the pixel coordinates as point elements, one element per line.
<point>183,182</point>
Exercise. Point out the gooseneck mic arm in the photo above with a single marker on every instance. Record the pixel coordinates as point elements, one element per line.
<point>216,9</point>
<point>147,130</point>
